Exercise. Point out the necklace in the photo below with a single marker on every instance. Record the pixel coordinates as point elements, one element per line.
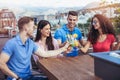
<point>102,37</point>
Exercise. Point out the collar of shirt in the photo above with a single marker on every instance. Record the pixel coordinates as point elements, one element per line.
<point>67,29</point>
<point>20,41</point>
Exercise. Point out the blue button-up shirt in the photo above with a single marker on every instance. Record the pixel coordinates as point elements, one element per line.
<point>20,55</point>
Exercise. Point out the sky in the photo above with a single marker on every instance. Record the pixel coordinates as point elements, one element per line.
<point>14,4</point>
<point>47,3</point>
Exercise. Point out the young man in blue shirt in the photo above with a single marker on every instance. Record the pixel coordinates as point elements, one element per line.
<point>69,29</point>
<point>16,54</point>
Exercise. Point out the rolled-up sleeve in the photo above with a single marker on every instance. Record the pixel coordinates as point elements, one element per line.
<point>58,35</point>
<point>8,48</point>
<point>35,47</point>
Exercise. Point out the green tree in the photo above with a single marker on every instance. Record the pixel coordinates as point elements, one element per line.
<point>85,27</point>
<point>116,22</point>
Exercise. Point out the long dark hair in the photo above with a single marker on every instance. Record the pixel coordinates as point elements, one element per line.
<point>106,26</point>
<point>49,40</point>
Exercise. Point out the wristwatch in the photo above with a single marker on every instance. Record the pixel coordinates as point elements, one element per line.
<point>18,78</point>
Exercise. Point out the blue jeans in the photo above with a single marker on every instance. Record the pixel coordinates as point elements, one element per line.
<point>36,77</point>
<point>33,77</point>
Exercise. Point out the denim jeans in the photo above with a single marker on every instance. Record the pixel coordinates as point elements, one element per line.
<point>36,77</point>
<point>32,77</point>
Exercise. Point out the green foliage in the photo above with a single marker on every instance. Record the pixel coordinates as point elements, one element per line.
<point>116,22</point>
<point>89,20</point>
<point>117,30</point>
<point>117,11</point>
<point>86,25</point>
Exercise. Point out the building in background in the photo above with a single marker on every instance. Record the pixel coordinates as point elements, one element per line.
<point>7,23</point>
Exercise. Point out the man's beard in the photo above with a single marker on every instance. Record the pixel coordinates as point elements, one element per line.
<point>71,25</point>
<point>30,35</point>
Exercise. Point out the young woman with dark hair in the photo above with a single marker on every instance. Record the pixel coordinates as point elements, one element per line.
<point>44,38</point>
<point>101,35</point>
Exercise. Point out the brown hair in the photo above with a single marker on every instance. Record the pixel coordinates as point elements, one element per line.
<point>106,26</point>
<point>24,20</point>
<point>49,40</point>
<point>74,13</point>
